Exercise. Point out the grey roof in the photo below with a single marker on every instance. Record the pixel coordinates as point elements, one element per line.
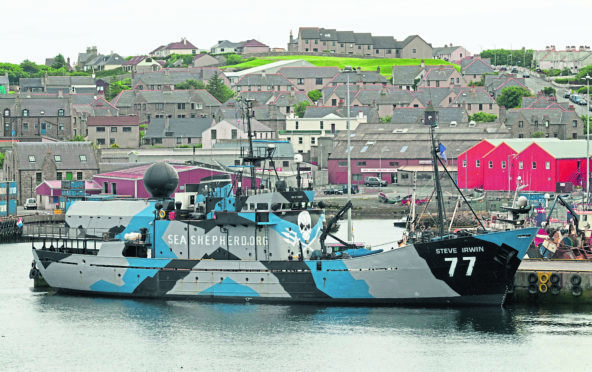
<point>104,60</point>
<point>364,38</point>
<point>323,111</point>
<point>241,123</point>
<point>31,83</point>
<point>259,98</point>
<point>476,67</point>
<point>309,33</point>
<point>128,97</point>
<point>415,115</point>
<point>283,149</point>
<point>439,73</point>
<point>308,72</point>
<point>405,75</point>
<point>345,36</point>
<point>263,80</point>
<point>176,76</point>
<point>554,115</point>
<point>444,50</point>
<point>368,77</point>
<point>384,42</point>
<point>474,96</point>
<point>435,95</point>
<point>44,105</point>
<point>283,99</point>
<point>227,44</point>
<point>178,127</point>
<point>565,149</point>
<point>69,153</point>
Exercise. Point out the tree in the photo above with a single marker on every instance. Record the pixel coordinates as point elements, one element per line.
<point>511,97</point>
<point>78,138</point>
<point>190,84</point>
<point>1,159</point>
<point>538,134</point>
<point>549,91</point>
<point>29,67</point>
<point>58,62</point>
<point>116,87</point>
<point>386,119</point>
<point>217,89</point>
<point>315,95</point>
<point>300,108</point>
<point>483,117</point>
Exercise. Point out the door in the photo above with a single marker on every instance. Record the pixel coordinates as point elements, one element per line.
<point>69,176</point>
<point>43,128</point>
<point>394,178</point>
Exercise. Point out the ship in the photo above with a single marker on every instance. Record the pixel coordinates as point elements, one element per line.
<point>226,242</point>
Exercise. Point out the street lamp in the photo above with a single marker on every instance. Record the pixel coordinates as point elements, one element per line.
<point>588,140</point>
<point>348,70</point>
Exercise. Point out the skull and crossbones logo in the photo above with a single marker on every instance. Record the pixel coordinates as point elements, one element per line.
<point>304,224</point>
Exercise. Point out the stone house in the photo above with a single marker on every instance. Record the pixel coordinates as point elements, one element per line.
<point>451,53</point>
<point>109,130</point>
<point>474,68</point>
<point>206,60</point>
<point>175,132</point>
<point>555,122</point>
<point>263,83</point>
<point>475,100</point>
<point>442,77</point>
<point>29,164</point>
<point>309,78</point>
<point>178,47</point>
<point>141,64</point>
<point>235,130</point>
<point>167,78</point>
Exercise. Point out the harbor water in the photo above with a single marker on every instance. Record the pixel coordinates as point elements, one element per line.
<point>42,331</point>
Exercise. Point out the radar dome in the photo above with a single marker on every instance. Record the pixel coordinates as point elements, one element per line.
<point>522,202</point>
<point>161,180</point>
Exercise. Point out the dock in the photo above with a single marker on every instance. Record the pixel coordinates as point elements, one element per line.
<point>539,281</point>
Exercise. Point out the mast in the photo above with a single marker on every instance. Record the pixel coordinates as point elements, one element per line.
<point>431,120</point>
<point>250,135</point>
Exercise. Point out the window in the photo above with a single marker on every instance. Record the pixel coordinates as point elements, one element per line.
<point>357,177</point>
<point>490,164</point>
<point>300,81</point>
<point>297,126</point>
<point>521,135</point>
<point>451,80</point>
<point>113,129</point>
<point>491,106</point>
<point>520,165</point>
<point>536,123</point>
<point>574,124</point>
<point>127,129</point>
<point>113,188</point>
<point>465,163</point>
<point>180,106</point>
<point>361,164</point>
<point>38,177</point>
<point>25,126</point>
<point>469,106</point>
<point>6,112</point>
<point>478,164</point>
<point>342,163</point>
<point>79,176</point>
<point>234,134</point>
<point>31,158</point>
<point>520,124</point>
<point>83,158</point>
<point>61,126</point>
<point>312,140</point>
<point>547,165</point>
<point>111,141</point>
<point>480,107</point>
<point>61,112</point>
<point>100,141</point>
<point>100,129</point>
<point>59,176</point>
<point>322,125</point>
<point>503,164</point>
<point>534,165</point>
<point>414,51</point>
<point>213,134</point>
<point>160,106</point>
<point>393,164</point>
<point>319,81</point>
<point>25,112</point>
<point>547,123</point>
<point>57,158</point>
<point>300,140</point>
<point>179,140</point>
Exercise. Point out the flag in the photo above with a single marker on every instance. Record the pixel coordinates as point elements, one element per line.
<point>19,223</point>
<point>442,154</point>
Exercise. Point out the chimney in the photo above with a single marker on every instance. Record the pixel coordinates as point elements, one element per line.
<point>184,41</point>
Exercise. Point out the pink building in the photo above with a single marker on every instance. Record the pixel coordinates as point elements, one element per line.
<point>470,164</point>
<point>49,192</point>
<point>499,162</point>
<point>129,182</point>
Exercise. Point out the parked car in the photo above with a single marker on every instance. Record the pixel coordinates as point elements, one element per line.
<point>581,102</point>
<point>503,68</point>
<point>30,203</point>
<point>333,191</point>
<point>567,94</point>
<point>526,75</point>
<point>575,98</point>
<point>374,181</point>
<point>354,189</point>
<point>514,70</point>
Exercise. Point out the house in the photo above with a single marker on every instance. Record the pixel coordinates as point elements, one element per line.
<point>447,116</point>
<point>359,78</point>
<point>184,47</point>
<point>495,86</point>
<point>84,58</point>
<point>59,84</point>
<point>451,53</point>
<point>268,113</point>
<point>29,164</point>
<point>253,47</point>
<point>309,78</point>
<point>270,68</point>
<point>475,100</point>
<point>473,69</point>
<point>104,62</point>
<point>123,131</point>
<point>167,78</point>
<point>235,130</point>
<point>206,60</point>
<point>180,104</point>
<point>571,58</point>
<point>49,192</point>
<point>555,122</point>
<point>141,64</point>
<point>441,77</point>
<point>395,153</point>
<point>34,116</point>
<point>175,132</point>
<point>226,47</point>
<point>407,77</point>
<point>263,83</point>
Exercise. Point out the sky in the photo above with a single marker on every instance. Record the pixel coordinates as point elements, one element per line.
<point>38,29</point>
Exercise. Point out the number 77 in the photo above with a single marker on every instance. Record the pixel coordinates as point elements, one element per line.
<point>454,260</point>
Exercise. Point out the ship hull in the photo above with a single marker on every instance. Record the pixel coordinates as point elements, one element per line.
<point>450,272</point>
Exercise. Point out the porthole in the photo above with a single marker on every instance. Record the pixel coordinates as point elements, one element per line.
<point>119,275</point>
<point>221,278</point>
<point>197,277</point>
<point>246,279</point>
<point>261,279</point>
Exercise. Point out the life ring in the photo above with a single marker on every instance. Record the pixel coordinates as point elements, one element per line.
<point>532,278</point>
<point>543,288</point>
<point>544,278</point>
<point>554,278</point>
<point>576,291</point>
<point>161,213</point>
<point>575,280</point>
<point>555,289</point>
